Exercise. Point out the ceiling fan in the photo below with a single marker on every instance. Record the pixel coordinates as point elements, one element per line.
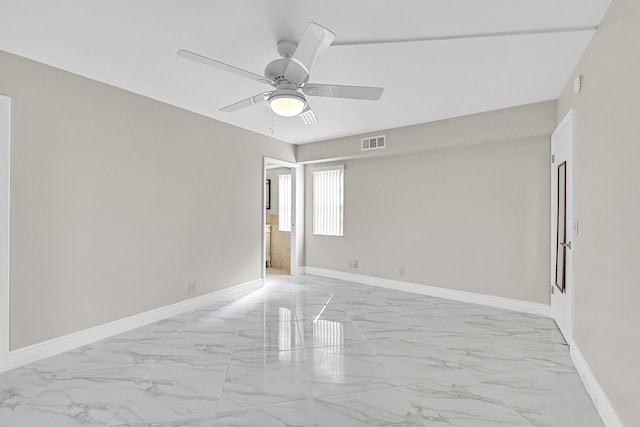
<point>289,76</point>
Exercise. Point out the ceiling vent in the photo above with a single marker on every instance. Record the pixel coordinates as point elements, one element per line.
<point>374,142</point>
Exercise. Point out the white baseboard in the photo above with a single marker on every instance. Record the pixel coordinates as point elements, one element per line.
<point>591,384</point>
<point>42,350</point>
<point>433,291</point>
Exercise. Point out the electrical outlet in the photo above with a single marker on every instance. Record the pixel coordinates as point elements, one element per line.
<point>401,270</point>
<point>354,263</point>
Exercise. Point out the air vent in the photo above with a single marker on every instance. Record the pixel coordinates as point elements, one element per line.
<point>374,142</point>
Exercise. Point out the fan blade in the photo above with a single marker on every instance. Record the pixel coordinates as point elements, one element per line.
<point>246,102</point>
<point>338,91</point>
<point>308,116</point>
<point>222,66</point>
<point>316,39</point>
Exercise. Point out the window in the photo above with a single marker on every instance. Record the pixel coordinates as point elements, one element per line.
<point>328,200</point>
<point>284,202</point>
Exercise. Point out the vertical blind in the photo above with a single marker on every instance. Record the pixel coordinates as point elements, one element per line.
<point>328,201</point>
<point>284,202</point>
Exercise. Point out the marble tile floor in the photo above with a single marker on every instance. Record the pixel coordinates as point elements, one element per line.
<point>272,272</point>
<point>310,351</point>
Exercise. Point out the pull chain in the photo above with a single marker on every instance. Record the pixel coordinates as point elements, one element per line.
<point>271,126</point>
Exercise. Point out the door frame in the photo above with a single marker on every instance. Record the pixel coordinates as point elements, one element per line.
<point>568,120</point>
<point>5,211</point>
<point>297,213</point>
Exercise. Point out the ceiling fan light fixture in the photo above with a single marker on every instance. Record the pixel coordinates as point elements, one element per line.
<point>287,103</point>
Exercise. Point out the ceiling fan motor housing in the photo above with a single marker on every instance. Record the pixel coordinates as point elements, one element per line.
<point>275,71</point>
<point>287,48</point>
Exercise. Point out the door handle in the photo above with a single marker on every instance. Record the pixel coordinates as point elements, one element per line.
<point>566,245</point>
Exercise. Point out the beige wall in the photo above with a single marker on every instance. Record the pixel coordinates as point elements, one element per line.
<point>607,206</point>
<point>116,202</point>
<point>465,206</point>
<point>525,122</point>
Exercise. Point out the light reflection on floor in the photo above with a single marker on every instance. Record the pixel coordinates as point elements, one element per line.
<point>310,351</point>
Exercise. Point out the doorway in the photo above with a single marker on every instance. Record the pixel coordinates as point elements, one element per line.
<point>5,138</point>
<point>562,284</point>
<point>280,214</point>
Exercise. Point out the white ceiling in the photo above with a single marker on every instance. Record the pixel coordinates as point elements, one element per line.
<point>132,44</point>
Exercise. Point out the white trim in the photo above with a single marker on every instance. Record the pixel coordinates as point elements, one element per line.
<point>470,297</point>
<point>565,121</point>
<point>597,394</point>
<point>5,228</point>
<point>49,348</point>
<point>263,225</point>
<point>297,242</point>
<point>280,163</point>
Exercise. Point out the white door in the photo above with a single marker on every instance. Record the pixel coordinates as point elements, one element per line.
<point>562,227</point>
